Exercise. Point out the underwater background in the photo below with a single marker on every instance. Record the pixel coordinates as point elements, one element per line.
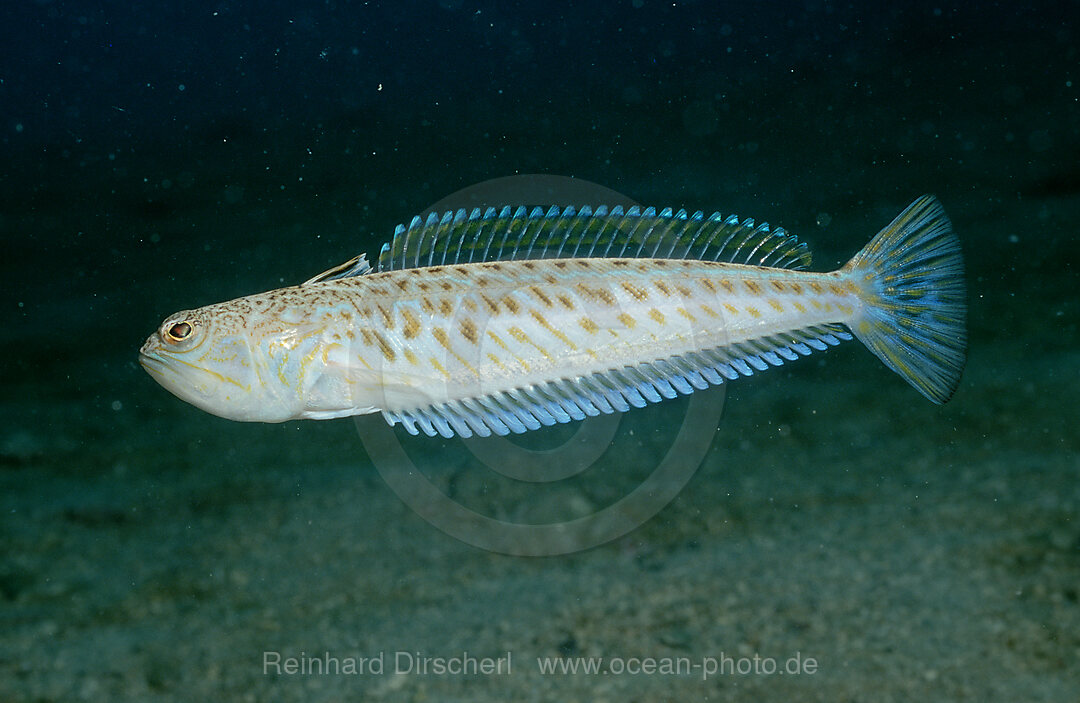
<point>162,156</point>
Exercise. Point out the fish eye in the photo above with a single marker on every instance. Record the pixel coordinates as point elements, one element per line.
<point>178,332</point>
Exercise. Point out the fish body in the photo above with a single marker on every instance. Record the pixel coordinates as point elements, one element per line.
<point>476,324</point>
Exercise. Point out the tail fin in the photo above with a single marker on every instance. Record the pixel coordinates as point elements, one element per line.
<point>911,280</point>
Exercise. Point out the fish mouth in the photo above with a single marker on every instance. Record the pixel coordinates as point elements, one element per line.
<point>152,365</point>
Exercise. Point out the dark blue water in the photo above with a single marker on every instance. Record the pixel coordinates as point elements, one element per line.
<point>162,156</point>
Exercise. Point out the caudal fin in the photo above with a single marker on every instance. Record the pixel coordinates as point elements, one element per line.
<point>911,280</point>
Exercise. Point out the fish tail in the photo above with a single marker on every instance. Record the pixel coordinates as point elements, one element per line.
<point>913,313</point>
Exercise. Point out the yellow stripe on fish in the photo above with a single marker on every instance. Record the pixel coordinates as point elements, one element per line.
<point>507,320</point>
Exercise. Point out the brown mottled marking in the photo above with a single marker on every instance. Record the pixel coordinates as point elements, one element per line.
<point>660,262</point>
<point>410,357</point>
<point>588,325</point>
<point>727,285</point>
<point>426,305</point>
<point>799,306</point>
<point>384,346</point>
<point>367,337</point>
<point>560,264</point>
<point>402,283</point>
<point>620,262</point>
<point>376,290</point>
<point>412,324</point>
<point>796,288</point>
<point>657,316</point>
<point>519,334</point>
<point>541,296</point>
<point>447,285</point>
<point>551,278</point>
<point>628,321</point>
<point>639,294</point>
<point>529,265</point>
<point>731,308</point>
<point>446,307</point>
<point>753,287</point>
<point>837,290</point>
<point>778,285</point>
<point>566,302</point>
<point>492,306</point>
<point>387,317</point>
<point>754,312</point>
<point>511,304</point>
<point>605,296</point>
<point>682,290</point>
<point>595,294</point>
<point>542,321</point>
<point>708,285</point>
<point>816,287</point>
<point>439,367</point>
<point>686,314</point>
<point>468,331</point>
<point>423,285</point>
<point>436,269</point>
<point>775,304</point>
<point>710,312</point>
<point>583,263</point>
<point>441,337</point>
<point>662,287</point>
<point>469,304</point>
<point>498,340</point>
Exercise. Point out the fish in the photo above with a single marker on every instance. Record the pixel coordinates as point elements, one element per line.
<point>504,320</point>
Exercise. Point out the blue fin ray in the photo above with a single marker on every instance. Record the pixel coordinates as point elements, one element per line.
<point>516,233</point>
<point>616,390</point>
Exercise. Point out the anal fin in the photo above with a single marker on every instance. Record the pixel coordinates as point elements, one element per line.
<point>616,390</point>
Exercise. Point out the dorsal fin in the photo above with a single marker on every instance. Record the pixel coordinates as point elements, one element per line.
<point>520,234</point>
<point>356,266</point>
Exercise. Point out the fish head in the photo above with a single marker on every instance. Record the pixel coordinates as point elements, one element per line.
<point>206,357</point>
